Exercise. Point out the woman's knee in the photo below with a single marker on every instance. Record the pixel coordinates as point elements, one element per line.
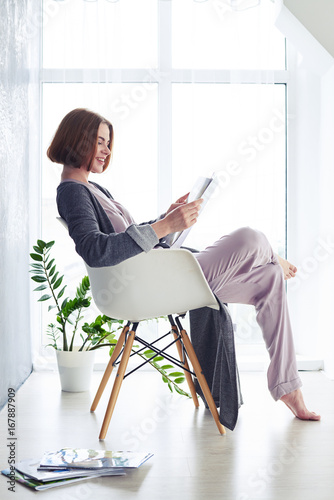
<point>254,243</point>
<point>250,238</point>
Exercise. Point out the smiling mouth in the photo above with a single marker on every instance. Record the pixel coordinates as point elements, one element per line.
<point>101,160</point>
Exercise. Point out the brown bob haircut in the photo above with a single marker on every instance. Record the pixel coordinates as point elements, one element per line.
<point>75,141</point>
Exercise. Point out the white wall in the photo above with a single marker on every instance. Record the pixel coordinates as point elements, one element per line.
<point>303,201</point>
<point>310,178</point>
<point>326,221</point>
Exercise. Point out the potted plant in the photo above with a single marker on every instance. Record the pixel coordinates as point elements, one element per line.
<point>75,360</point>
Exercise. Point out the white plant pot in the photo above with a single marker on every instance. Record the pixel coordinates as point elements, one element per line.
<point>75,369</point>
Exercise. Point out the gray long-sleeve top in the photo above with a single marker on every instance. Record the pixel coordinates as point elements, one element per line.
<point>94,235</point>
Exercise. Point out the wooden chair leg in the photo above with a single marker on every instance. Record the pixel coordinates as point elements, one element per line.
<point>185,363</point>
<point>117,384</point>
<point>201,379</point>
<point>109,368</point>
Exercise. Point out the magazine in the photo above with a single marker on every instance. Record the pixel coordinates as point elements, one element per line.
<point>45,485</point>
<point>30,468</point>
<point>92,459</point>
<point>204,187</point>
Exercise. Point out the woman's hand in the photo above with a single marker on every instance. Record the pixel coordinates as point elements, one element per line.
<point>179,218</point>
<point>178,203</point>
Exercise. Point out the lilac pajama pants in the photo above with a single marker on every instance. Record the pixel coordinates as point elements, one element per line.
<point>242,267</point>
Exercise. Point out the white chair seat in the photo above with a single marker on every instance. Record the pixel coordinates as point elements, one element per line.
<point>157,283</point>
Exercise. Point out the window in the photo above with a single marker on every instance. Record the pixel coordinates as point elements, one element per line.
<point>191,87</point>
<point>211,35</point>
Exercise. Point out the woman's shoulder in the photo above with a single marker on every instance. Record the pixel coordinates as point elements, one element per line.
<point>72,192</point>
<point>72,186</point>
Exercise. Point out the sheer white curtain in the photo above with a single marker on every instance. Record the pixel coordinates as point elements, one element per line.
<point>191,87</point>
<point>19,179</point>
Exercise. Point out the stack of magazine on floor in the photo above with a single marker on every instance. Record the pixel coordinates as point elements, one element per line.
<point>70,465</point>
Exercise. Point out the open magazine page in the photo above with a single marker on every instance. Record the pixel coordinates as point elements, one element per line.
<point>203,188</point>
<point>92,459</point>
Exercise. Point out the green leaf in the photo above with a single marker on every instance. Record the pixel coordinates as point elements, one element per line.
<point>52,270</point>
<point>54,278</point>
<point>170,386</point>
<point>37,271</point>
<point>158,358</point>
<point>166,367</point>
<point>36,256</point>
<point>64,304</point>
<point>180,391</point>
<point>38,250</point>
<point>41,243</point>
<point>44,297</point>
<point>53,334</point>
<point>38,279</point>
<point>176,387</point>
<point>40,288</point>
<point>50,244</point>
<point>51,307</point>
<point>83,289</point>
<point>165,379</point>
<point>50,264</point>
<point>149,353</point>
<point>58,282</point>
<point>179,380</point>
<point>61,293</point>
<point>74,305</point>
<point>176,374</point>
<point>111,336</point>
<point>37,266</point>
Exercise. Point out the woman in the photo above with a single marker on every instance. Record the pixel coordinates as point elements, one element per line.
<point>240,267</point>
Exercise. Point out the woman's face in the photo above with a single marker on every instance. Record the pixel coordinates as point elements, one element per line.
<point>102,151</point>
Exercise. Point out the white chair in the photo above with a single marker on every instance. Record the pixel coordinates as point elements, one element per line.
<point>158,283</point>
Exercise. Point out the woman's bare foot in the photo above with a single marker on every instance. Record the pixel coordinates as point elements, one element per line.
<point>289,270</point>
<point>295,401</point>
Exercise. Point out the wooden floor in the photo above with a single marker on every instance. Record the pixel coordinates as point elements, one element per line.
<point>270,454</point>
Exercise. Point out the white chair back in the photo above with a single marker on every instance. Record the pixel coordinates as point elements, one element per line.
<point>149,285</point>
